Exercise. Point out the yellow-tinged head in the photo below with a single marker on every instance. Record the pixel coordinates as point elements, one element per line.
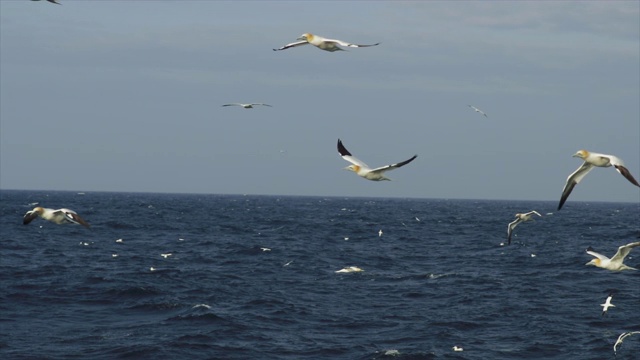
<point>354,168</point>
<point>594,262</point>
<point>582,154</point>
<point>39,210</point>
<point>306,36</point>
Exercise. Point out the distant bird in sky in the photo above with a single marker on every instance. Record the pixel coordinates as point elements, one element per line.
<point>51,1</point>
<point>478,110</point>
<point>607,304</point>
<point>621,338</point>
<point>247,106</point>
<point>616,262</point>
<point>592,159</point>
<point>321,43</point>
<point>59,216</point>
<point>363,169</point>
<point>519,218</point>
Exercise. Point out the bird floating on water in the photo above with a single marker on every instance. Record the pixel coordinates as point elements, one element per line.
<point>247,106</point>
<point>591,160</point>
<point>321,43</point>
<point>350,269</point>
<point>616,262</point>
<point>59,216</point>
<point>363,170</point>
<point>519,218</point>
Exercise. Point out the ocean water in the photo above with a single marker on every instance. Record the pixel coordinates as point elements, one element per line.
<point>436,278</point>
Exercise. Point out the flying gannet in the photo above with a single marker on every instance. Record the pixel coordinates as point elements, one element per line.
<point>621,338</point>
<point>321,43</point>
<point>59,216</point>
<point>247,106</point>
<point>51,1</point>
<point>519,218</point>
<point>590,160</point>
<point>363,169</point>
<point>607,304</point>
<point>478,110</point>
<point>350,269</point>
<point>615,263</point>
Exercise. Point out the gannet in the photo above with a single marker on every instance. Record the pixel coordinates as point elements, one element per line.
<point>166,255</point>
<point>455,348</point>
<point>363,169</point>
<point>51,1</point>
<point>519,218</point>
<point>59,216</point>
<point>380,233</point>
<point>621,338</point>
<point>321,43</point>
<point>350,269</point>
<point>478,110</point>
<point>247,106</point>
<point>615,263</point>
<point>607,304</point>
<point>590,160</point>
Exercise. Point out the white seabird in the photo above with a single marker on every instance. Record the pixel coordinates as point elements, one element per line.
<point>363,170</point>
<point>321,43</point>
<point>478,110</point>
<point>519,218</point>
<point>247,106</point>
<point>59,216</point>
<point>456,348</point>
<point>51,1</point>
<point>350,269</point>
<point>616,262</point>
<point>592,159</point>
<point>166,255</point>
<point>607,304</point>
<point>621,338</point>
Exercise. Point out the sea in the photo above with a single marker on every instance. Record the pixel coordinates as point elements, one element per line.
<point>256,277</point>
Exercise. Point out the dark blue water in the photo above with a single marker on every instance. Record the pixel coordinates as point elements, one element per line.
<point>437,278</point>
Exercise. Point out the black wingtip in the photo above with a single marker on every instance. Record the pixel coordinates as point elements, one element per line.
<point>342,150</point>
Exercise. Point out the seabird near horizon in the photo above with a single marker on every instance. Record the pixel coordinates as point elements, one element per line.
<point>519,218</point>
<point>591,160</point>
<point>51,1</point>
<point>59,216</point>
<point>607,304</point>
<point>616,262</point>
<point>478,110</point>
<point>247,106</point>
<point>363,170</point>
<point>321,43</point>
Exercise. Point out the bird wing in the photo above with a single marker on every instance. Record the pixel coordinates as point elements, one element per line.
<point>624,250</point>
<point>573,180</point>
<point>623,170</point>
<point>533,212</point>
<point>512,225</point>
<point>233,104</point>
<point>591,252</point>
<point>71,216</point>
<point>29,216</point>
<point>262,104</point>
<point>350,158</point>
<point>293,44</point>
<point>344,43</point>
<point>394,166</point>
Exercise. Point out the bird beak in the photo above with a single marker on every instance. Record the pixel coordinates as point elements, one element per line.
<point>346,168</point>
<point>301,38</point>
<point>576,155</point>
<point>589,263</point>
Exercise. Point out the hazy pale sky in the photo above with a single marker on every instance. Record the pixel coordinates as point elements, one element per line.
<point>127,95</point>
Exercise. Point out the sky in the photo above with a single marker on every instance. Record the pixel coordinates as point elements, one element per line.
<point>127,96</point>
